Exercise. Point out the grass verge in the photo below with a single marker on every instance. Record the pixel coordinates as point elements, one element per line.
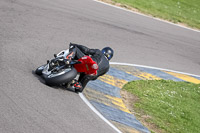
<point>186,12</point>
<point>171,107</point>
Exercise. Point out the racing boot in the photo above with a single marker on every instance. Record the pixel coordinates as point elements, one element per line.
<point>78,87</point>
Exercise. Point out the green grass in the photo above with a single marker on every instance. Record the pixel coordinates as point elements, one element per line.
<point>173,106</point>
<point>182,11</point>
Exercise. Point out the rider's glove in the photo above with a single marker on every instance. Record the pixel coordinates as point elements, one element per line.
<point>69,56</point>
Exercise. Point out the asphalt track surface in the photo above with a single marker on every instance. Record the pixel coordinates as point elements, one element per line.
<point>32,31</point>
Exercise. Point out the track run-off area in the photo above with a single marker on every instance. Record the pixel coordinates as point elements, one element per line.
<point>104,93</point>
<point>32,31</point>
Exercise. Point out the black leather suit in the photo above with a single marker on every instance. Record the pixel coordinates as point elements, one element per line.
<point>97,56</point>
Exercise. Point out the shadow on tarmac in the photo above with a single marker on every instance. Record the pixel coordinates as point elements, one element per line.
<point>55,87</point>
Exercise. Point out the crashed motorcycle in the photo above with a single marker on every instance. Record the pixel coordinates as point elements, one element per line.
<point>61,71</point>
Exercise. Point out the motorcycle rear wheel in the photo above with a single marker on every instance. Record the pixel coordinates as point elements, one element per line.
<point>61,78</point>
<point>39,70</point>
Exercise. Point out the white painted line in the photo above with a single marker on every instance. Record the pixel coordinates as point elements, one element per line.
<point>146,15</point>
<point>117,63</point>
<point>95,111</point>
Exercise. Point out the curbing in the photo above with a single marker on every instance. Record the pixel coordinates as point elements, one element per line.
<point>103,94</point>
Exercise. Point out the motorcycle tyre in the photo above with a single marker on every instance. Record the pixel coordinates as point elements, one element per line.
<point>60,79</point>
<point>39,70</point>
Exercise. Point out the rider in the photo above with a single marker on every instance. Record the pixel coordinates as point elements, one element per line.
<point>100,57</point>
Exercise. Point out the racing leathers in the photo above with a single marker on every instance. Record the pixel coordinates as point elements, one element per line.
<point>77,51</point>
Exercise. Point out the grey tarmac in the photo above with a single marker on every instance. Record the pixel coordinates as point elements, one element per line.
<point>31,31</point>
